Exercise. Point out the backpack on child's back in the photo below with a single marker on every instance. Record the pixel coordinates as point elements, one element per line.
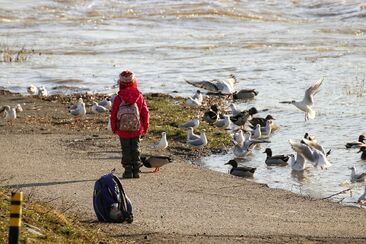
<point>128,116</point>
<point>110,202</point>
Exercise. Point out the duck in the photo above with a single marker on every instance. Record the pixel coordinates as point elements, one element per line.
<point>242,171</point>
<point>155,162</point>
<point>363,150</point>
<point>211,115</point>
<point>245,94</point>
<point>357,177</point>
<point>261,121</point>
<point>278,160</point>
<point>241,118</point>
<point>357,144</point>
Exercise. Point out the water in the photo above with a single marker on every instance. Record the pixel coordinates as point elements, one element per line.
<point>276,47</point>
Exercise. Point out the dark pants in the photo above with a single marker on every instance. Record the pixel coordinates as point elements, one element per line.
<point>130,153</point>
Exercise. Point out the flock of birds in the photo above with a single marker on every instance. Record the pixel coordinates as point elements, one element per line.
<point>248,130</point>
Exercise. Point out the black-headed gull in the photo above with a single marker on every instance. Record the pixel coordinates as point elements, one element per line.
<point>195,122</point>
<point>307,102</point>
<point>357,178</point>
<point>163,142</point>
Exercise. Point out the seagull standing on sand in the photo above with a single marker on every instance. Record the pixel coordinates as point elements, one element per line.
<point>98,108</point>
<point>78,110</point>
<point>200,142</point>
<point>32,90</point>
<point>18,108</point>
<point>106,103</point>
<point>10,114</point>
<point>42,92</point>
<point>362,198</point>
<point>163,143</point>
<point>307,102</point>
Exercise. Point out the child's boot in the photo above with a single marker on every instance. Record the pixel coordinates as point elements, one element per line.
<point>128,172</point>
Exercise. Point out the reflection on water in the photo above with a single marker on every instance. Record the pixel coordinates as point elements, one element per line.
<point>276,47</point>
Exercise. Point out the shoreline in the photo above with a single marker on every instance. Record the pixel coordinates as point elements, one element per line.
<point>183,203</point>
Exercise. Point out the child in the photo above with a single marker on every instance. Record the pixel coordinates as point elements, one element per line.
<point>129,94</point>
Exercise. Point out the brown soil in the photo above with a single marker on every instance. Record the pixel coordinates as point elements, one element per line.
<point>51,157</point>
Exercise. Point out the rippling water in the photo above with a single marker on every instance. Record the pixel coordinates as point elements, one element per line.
<point>277,47</point>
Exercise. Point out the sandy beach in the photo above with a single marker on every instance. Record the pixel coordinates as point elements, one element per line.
<point>50,157</point>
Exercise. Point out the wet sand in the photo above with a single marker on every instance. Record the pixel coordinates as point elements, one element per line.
<point>51,157</point>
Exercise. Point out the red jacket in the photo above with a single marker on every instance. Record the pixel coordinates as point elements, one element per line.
<point>130,94</point>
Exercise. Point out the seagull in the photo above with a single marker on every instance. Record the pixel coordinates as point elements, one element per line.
<point>212,115</point>
<point>224,87</point>
<point>357,177</point>
<point>42,92</point>
<point>313,155</point>
<point>195,122</point>
<point>198,96</point>
<point>257,133</point>
<point>279,160</point>
<point>32,90</point>
<point>155,162</point>
<point>363,150</point>
<point>163,143</point>
<point>79,111</point>
<point>245,94</point>
<point>357,144</point>
<point>240,151</point>
<point>200,142</point>
<point>297,164</point>
<point>223,123</point>
<point>312,142</point>
<point>242,171</point>
<point>190,134</point>
<point>307,102</point>
<point>106,103</point>
<point>266,131</point>
<point>239,137</point>
<point>10,114</point>
<point>249,142</point>
<point>193,102</point>
<point>234,110</point>
<point>75,106</point>
<point>18,108</point>
<point>98,108</point>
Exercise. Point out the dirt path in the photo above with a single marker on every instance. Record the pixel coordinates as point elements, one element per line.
<point>182,203</point>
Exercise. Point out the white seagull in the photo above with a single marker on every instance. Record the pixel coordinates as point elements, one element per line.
<point>190,134</point>
<point>239,137</point>
<point>195,122</point>
<point>198,96</point>
<point>223,123</point>
<point>106,103</point>
<point>163,143</point>
<point>79,110</point>
<point>42,92</point>
<point>307,102</point>
<point>193,102</point>
<point>10,114</point>
<point>357,177</point>
<point>200,142</point>
<point>362,198</point>
<point>18,108</point>
<point>98,108</point>
<point>298,163</point>
<point>313,155</point>
<point>32,90</point>
<point>225,87</point>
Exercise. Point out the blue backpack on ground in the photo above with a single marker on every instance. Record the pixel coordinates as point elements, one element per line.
<point>110,202</point>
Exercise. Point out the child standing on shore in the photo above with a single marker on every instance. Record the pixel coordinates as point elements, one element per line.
<point>129,120</point>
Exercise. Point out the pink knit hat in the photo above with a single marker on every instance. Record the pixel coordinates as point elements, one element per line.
<point>126,76</point>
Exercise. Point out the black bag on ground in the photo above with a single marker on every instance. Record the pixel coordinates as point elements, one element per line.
<point>110,202</point>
